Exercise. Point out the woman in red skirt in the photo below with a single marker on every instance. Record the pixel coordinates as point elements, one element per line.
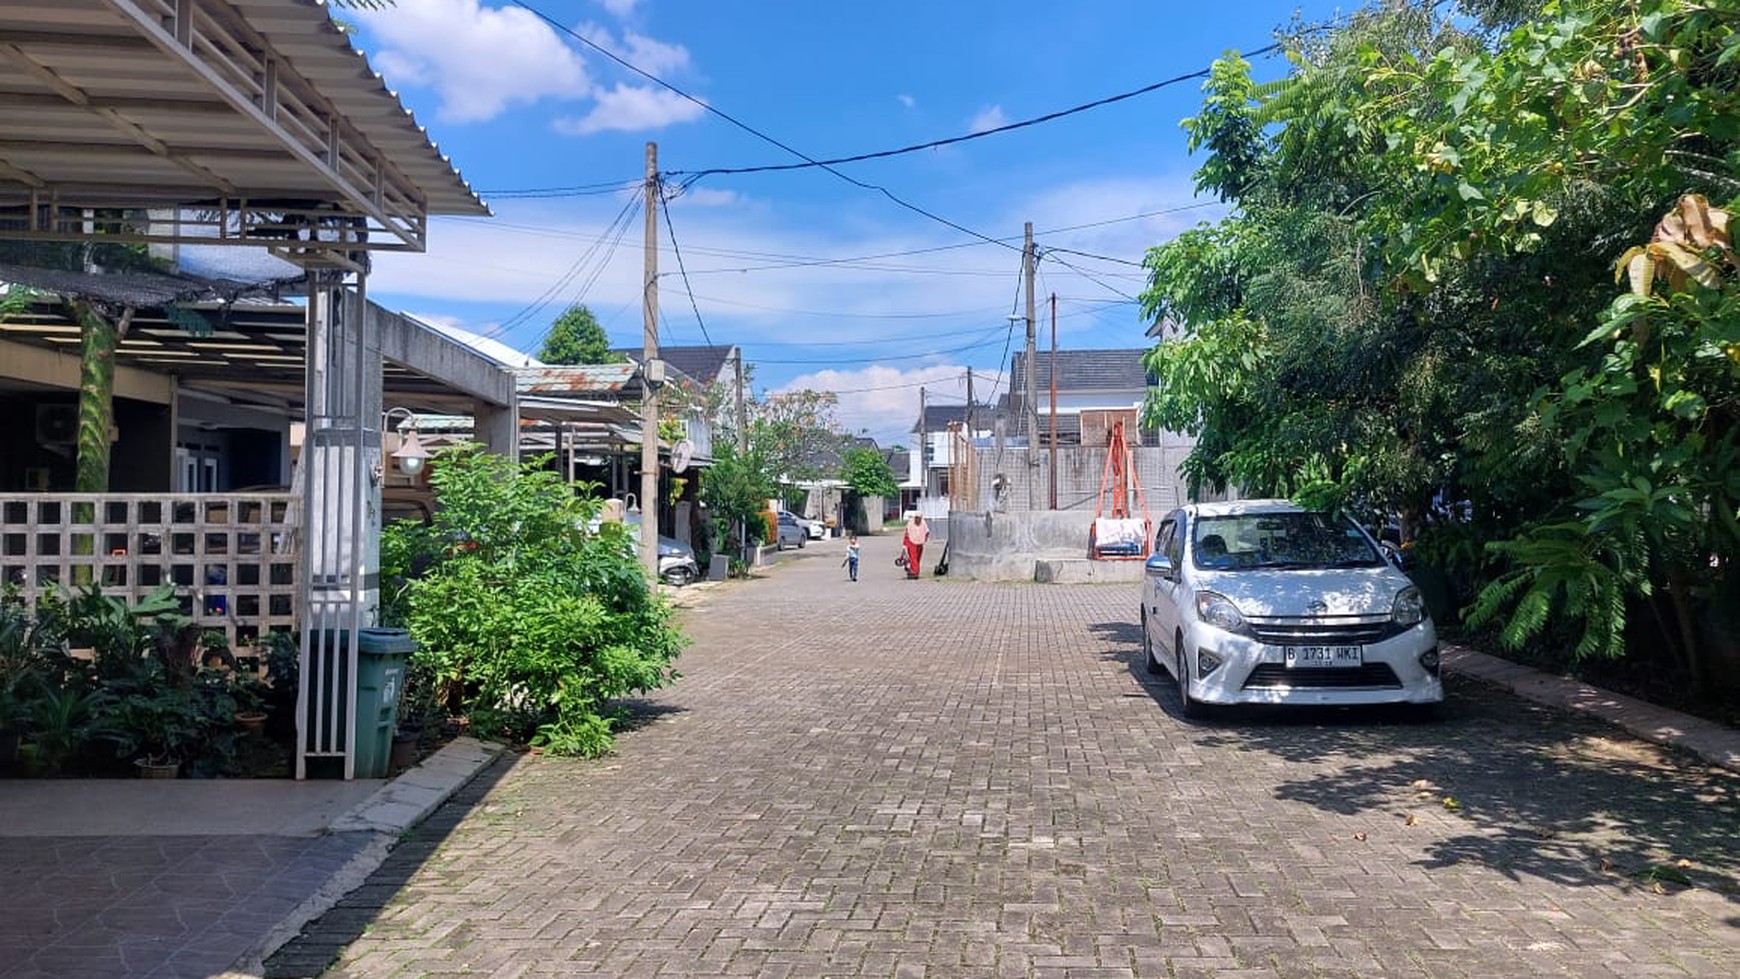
<point>917,533</point>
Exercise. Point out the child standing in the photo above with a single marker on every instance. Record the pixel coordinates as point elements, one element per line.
<point>852,556</point>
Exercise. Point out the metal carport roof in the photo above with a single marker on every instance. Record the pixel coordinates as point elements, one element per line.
<point>247,121</point>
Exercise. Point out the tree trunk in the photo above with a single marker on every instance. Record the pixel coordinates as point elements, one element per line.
<point>1679,591</point>
<point>96,394</point>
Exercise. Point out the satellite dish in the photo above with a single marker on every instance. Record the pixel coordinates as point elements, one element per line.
<point>681,455</point>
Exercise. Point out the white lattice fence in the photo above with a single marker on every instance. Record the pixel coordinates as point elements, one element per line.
<point>230,557</point>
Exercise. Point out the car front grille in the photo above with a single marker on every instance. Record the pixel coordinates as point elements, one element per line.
<point>1275,676</point>
<point>1324,631</point>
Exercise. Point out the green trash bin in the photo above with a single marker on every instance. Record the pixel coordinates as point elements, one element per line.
<point>380,679</point>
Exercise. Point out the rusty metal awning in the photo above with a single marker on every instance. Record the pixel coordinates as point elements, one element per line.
<point>209,121</point>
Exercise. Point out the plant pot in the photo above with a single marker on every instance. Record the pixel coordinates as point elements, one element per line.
<point>251,721</point>
<point>155,769</point>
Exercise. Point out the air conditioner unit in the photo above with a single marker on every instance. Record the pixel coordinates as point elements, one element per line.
<point>57,424</point>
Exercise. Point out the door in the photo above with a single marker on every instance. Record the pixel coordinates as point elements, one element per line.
<point>1164,591</point>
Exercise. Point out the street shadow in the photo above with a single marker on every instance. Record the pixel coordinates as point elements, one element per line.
<point>637,713</point>
<point>1124,646</point>
<point>324,939</point>
<point>1544,794</point>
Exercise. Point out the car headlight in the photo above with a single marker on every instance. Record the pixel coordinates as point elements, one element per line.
<point>1409,607</point>
<point>1217,610</point>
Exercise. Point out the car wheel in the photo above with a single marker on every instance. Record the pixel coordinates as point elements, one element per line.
<point>801,543</point>
<point>1187,705</point>
<point>1148,659</point>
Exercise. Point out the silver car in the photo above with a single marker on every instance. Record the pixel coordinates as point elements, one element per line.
<point>1261,602</point>
<point>790,531</point>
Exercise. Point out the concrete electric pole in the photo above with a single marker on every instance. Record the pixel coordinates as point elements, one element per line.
<point>1030,401</point>
<point>652,375</point>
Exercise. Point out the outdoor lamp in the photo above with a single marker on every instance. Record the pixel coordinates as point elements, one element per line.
<point>410,455</point>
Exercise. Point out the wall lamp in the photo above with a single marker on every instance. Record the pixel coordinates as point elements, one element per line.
<point>410,455</point>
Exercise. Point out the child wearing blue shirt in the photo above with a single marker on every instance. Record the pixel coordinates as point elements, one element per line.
<point>851,561</point>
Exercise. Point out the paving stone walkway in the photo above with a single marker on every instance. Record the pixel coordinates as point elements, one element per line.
<point>151,907</point>
<point>942,779</point>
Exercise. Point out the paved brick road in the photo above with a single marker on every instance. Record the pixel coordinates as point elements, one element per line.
<point>938,779</point>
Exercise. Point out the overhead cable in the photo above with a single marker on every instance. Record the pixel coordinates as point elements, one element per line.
<point>966,137</point>
<point>758,134</point>
<point>671,229</point>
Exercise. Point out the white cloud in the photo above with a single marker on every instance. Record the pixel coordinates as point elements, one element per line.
<point>621,8</point>
<point>907,100</point>
<point>480,60</point>
<point>988,118</point>
<point>650,55</point>
<point>709,197</point>
<point>884,400</point>
<point>631,108</point>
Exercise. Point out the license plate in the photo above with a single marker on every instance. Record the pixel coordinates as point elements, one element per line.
<point>1324,657</point>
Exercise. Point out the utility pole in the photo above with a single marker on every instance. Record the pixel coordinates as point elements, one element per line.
<point>1030,403</point>
<point>742,452</point>
<point>742,414</point>
<point>970,405</point>
<point>1053,466</point>
<point>923,451</point>
<point>652,375</point>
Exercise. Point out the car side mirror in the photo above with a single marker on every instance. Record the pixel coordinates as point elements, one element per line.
<point>1159,566</point>
<point>1391,553</point>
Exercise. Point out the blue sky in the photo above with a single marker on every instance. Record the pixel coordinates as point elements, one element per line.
<point>824,284</point>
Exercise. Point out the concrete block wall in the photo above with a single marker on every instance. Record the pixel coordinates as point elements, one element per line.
<point>1079,472</point>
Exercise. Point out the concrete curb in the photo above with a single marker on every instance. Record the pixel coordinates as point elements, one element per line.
<point>395,807</point>
<point>1715,743</point>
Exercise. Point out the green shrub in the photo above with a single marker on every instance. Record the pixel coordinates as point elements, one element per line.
<point>528,622</point>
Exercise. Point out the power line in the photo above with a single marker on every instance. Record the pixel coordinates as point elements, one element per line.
<point>826,314</point>
<point>1102,258</point>
<point>878,360</point>
<point>859,157</point>
<point>740,124</point>
<point>574,269</point>
<point>952,140</point>
<point>581,190</point>
<point>895,387</point>
<point>1089,276</point>
<point>778,260</point>
<point>671,229</point>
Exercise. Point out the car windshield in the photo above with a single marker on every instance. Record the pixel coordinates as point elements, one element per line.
<point>1243,541</point>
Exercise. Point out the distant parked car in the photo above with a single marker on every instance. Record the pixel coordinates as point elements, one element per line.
<point>814,528</point>
<point>790,531</point>
<point>1262,602</point>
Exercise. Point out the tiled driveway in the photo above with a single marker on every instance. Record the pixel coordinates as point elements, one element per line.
<point>941,779</point>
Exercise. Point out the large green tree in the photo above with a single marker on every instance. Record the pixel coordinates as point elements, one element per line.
<point>577,338</point>
<point>1411,307</point>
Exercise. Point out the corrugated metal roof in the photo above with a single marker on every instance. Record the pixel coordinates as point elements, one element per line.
<point>120,104</point>
<point>575,379</point>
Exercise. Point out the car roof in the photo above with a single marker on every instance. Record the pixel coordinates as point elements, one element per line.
<point>1239,507</point>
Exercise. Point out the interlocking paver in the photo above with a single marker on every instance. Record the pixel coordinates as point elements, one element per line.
<point>942,779</point>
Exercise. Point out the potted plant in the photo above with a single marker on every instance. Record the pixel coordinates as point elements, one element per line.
<point>154,727</point>
<point>59,724</point>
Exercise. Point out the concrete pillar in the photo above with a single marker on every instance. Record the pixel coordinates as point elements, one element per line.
<point>341,523</point>
<point>497,428</point>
